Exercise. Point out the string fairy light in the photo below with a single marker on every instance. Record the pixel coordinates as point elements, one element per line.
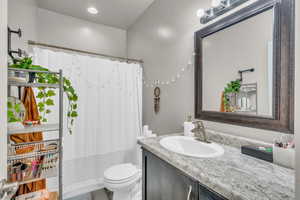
<point>151,83</point>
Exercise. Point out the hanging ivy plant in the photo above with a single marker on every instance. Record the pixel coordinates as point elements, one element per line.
<point>232,88</point>
<point>73,98</point>
<point>46,94</point>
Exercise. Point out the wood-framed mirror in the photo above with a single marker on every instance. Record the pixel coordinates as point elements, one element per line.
<point>244,67</point>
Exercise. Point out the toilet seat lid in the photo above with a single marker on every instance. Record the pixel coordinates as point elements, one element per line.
<point>120,172</point>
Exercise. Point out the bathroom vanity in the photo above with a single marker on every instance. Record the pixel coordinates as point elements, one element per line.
<point>163,181</point>
<point>171,176</point>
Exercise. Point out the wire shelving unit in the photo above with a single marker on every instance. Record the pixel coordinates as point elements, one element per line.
<point>57,127</point>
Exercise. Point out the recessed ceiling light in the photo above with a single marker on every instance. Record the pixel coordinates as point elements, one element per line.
<point>92,10</point>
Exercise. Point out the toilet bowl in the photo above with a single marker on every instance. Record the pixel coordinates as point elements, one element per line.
<point>124,181</point>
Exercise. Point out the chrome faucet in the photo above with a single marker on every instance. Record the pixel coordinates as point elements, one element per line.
<point>200,130</point>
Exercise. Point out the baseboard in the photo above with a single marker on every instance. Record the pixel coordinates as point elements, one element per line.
<point>82,188</point>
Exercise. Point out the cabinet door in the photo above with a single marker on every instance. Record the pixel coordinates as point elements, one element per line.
<point>205,194</point>
<point>162,181</point>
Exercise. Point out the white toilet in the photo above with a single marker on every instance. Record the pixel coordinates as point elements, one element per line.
<point>124,181</point>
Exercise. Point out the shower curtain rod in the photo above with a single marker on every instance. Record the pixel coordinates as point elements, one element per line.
<point>30,42</point>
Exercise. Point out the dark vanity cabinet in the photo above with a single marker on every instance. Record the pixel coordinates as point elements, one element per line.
<point>164,182</point>
<point>161,181</point>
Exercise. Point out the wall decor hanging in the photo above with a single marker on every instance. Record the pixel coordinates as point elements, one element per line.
<point>156,100</point>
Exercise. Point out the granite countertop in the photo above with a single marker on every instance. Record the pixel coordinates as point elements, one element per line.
<point>233,175</point>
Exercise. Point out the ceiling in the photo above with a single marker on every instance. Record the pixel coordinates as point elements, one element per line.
<point>116,13</point>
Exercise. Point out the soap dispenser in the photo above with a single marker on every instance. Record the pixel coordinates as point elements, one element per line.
<point>188,126</point>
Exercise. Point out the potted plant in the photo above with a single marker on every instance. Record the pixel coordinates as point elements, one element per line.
<point>45,95</point>
<point>15,112</point>
<point>230,92</point>
<point>25,63</point>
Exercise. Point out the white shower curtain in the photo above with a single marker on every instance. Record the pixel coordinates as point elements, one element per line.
<point>110,105</point>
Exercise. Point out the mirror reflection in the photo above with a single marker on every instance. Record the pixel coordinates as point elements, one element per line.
<point>238,68</point>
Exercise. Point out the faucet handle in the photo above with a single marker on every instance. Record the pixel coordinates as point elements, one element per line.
<point>198,123</point>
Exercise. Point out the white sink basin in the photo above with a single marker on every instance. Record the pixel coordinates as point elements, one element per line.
<point>189,146</point>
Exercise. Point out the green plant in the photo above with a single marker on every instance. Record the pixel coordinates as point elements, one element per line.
<point>12,110</point>
<point>72,107</point>
<point>26,63</point>
<point>232,88</point>
<point>46,94</point>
